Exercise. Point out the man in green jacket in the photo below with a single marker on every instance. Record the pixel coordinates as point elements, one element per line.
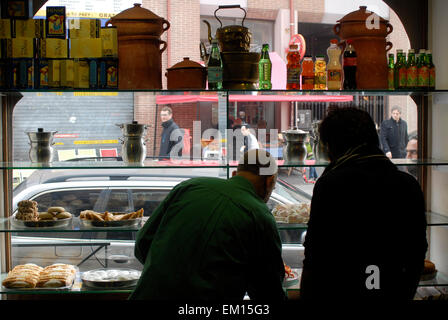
<point>214,239</point>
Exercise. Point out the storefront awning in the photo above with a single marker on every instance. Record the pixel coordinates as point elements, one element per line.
<point>172,99</point>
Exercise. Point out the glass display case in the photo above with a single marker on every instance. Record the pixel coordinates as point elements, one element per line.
<point>82,180</point>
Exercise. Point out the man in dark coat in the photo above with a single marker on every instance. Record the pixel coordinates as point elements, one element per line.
<point>394,135</point>
<point>366,236</point>
<point>172,135</point>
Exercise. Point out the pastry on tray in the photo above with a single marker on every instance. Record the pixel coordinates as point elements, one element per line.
<point>57,275</point>
<point>292,213</point>
<point>28,211</point>
<point>23,276</point>
<point>33,276</point>
<point>109,216</point>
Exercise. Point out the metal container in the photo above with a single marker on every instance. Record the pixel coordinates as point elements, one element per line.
<point>231,38</point>
<point>295,150</point>
<point>41,143</point>
<point>133,149</point>
<point>240,70</point>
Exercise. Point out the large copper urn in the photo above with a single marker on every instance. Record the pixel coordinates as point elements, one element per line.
<point>139,48</point>
<point>368,32</point>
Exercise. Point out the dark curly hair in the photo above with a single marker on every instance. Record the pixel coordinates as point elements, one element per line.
<point>344,128</point>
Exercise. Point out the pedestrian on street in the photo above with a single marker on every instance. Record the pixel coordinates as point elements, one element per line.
<point>394,135</point>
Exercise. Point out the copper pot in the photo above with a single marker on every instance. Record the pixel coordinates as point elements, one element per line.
<point>140,62</point>
<point>186,74</point>
<point>138,21</point>
<point>362,23</point>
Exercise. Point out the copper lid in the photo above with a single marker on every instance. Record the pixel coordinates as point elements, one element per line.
<point>186,64</point>
<point>360,15</point>
<point>136,13</point>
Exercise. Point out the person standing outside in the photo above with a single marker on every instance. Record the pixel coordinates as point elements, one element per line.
<point>394,135</point>
<point>382,244</point>
<point>214,239</point>
<point>250,141</point>
<point>172,136</point>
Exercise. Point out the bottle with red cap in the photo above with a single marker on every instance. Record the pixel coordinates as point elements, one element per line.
<point>334,67</point>
<point>350,66</point>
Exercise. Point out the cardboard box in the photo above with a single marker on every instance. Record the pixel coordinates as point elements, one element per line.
<point>84,28</point>
<point>54,73</point>
<point>53,48</point>
<point>41,74</point>
<point>81,73</point>
<point>109,39</point>
<point>20,48</point>
<point>55,23</point>
<point>108,73</point>
<point>5,29</point>
<point>67,73</point>
<point>29,28</point>
<point>85,48</point>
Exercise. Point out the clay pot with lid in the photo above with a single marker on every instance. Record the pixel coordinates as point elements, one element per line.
<point>369,41</point>
<point>139,48</point>
<point>362,23</point>
<point>186,74</point>
<point>139,21</point>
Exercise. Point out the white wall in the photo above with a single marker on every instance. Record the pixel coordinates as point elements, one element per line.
<point>438,148</point>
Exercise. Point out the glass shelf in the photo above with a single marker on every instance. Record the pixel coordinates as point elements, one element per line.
<point>6,225</point>
<point>366,92</point>
<point>170,164</point>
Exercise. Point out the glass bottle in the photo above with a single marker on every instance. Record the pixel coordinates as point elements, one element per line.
<point>320,74</point>
<point>412,80</point>
<point>307,73</point>
<point>293,68</point>
<point>432,70</point>
<point>265,68</point>
<point>391,72</point>
<point>214,68</point>
<point>422,70</point>
<point>350,66</point>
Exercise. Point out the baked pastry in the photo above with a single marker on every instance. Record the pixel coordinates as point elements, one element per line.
<point>46,216</point>
<point>27,211</point>
<point>109,216</point>
<point>55,210</point>
<point>429,267</point>
<point>57,275</point>
<point>23,276</point>
<point>63,215</point>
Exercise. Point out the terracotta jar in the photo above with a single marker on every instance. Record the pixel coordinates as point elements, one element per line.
<point>139,48</point>
<point>186,74</point>
<point>140,62</point>
<point>139,21</point>
<point>368,32</point>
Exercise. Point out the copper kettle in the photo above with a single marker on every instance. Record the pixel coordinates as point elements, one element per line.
<point>231,38</point>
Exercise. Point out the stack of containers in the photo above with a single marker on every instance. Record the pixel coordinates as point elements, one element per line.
<point>94,54</point>
<point>37,54</point>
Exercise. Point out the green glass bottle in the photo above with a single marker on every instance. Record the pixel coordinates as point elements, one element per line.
<point>412,77</point>
<point>432,71</point>
<point>399,67</point>
<point>422,70</point>
<point>214,68</point>
<point>391,72</point>
<point>265,68</point>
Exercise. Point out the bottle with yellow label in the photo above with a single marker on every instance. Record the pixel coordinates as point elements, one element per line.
<point>320,73</point>
<point>334,68</point>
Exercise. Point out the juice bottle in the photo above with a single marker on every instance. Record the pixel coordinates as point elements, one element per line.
<point>334,69</point>
<point>320,73</point>
<point>307,73</point>
<point>432,70</point>
<point>412,76</point>
<point>264,67</point>
<point>391,72</point>
<point>293,68</point>
<point>422,70</point>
